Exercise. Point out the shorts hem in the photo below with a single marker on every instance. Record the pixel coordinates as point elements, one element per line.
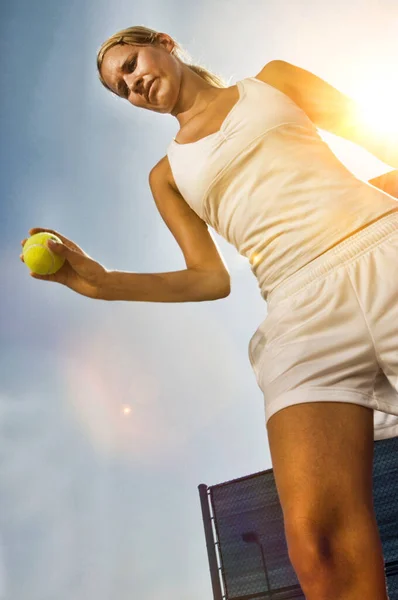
<point>385,433</point>
<point>293,397</point>
<point>388,431</point>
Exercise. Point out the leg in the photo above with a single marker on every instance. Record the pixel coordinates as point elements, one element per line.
<point>322,455</point>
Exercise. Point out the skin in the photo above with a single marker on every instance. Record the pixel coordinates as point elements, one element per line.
<point>180,92</point>
<point>309,510</point>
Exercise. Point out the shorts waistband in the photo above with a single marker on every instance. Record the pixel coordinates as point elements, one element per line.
<point>343,253</point>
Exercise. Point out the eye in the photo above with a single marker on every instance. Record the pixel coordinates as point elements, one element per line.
<point>128,67</point>
<point>123,91</point>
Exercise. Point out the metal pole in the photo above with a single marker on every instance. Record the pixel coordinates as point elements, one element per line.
<point>265,570</point>
<point>210,542</point>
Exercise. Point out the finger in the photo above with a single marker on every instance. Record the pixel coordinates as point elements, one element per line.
<point>59,248</point>
<point>73,257</point>
<point>39,229</point>
<point>43,277</point>
<point>35,230</point>
<point>63,239</point>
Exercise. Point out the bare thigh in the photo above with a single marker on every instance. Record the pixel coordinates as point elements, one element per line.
<point>322,456</point>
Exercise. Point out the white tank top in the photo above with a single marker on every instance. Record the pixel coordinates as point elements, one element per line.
<point>269,185</point>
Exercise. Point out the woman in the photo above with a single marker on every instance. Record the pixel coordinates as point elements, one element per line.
<point>248,161</point>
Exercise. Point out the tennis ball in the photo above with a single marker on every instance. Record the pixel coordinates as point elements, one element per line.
<point>38,257</point>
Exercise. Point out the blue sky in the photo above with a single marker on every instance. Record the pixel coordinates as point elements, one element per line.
<point>94,502</point>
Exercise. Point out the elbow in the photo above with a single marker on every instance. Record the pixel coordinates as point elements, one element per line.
<point>220,289</point>
<point>211,285</point>
<point>225,290</point>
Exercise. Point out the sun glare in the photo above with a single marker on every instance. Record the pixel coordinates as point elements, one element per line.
<point>378,107</point>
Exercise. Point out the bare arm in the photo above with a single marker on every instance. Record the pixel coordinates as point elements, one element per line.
<point>206,277</point>
<point>189,285</point>
<point>388,182</point>
<point>331,110</point>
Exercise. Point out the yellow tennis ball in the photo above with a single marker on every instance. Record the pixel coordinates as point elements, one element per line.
<point>38,257</point>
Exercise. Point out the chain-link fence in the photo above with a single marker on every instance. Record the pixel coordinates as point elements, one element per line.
<point>244,524</point>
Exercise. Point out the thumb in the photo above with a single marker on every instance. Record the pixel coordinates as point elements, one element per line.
<point>57,247</point>
<point>76,259</point>
<point>60,249</point>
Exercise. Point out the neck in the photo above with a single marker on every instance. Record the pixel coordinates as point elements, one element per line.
<point>187,117</point>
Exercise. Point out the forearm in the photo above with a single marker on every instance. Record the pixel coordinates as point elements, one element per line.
<point>387,182</point>
<point>189,285</point>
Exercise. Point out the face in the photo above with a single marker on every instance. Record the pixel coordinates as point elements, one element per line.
<point>128,70</point>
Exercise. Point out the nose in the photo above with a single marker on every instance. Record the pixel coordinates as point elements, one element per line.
<point>134,84</point>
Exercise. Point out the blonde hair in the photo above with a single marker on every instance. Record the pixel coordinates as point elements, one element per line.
<point>143,36</point>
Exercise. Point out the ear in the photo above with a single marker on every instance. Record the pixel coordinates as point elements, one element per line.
<point>165,40</point>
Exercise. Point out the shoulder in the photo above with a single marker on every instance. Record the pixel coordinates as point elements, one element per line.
<point>276,73</point>
<point>163,170</point>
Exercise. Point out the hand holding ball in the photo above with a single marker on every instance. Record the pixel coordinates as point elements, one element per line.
<point>80,272</point>
<point>39,257</point>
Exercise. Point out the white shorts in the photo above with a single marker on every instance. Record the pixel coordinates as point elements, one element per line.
<point>331,332</point>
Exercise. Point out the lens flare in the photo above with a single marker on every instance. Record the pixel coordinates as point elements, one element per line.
<point>378,107</point>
